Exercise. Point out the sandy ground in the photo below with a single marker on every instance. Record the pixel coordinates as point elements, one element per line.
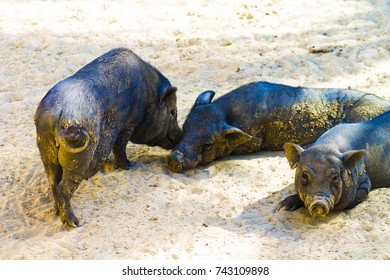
<point>220,211</point>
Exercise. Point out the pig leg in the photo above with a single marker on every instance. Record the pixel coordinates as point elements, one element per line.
<point>361,194</point>
<point>291,203</point>
<point>49,154</point>
<point>364,187</point>
<point>54,175</point>
<point>253,145</point>
<point>62,195</point>
<point>119,151</point>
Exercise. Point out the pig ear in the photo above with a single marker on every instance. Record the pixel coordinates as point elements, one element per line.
<point>352,158</point>
<point>235,136</point>
<point>166,94</point>
<point>204,98</point>
<point>293,154</point>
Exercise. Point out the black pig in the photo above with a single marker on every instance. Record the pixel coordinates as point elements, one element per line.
<point>264,116</point>
<point>341,167</point>
<point>114,99</point>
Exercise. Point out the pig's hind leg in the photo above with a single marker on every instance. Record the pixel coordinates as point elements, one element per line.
<point>75,168</point>
<point>252,146</point>
<point>49,155</point>
<point>63,192</point>
<point>54,175</point>
<point>119,151</point>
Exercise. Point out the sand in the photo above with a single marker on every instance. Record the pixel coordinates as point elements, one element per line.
<point>223,210</point>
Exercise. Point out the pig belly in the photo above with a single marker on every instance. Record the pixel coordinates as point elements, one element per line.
<point>378,165</point>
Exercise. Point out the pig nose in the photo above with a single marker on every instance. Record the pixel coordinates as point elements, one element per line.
<point>175,161</point>
<point>319,208</point>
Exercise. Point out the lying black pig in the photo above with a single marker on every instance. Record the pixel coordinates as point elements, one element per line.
<point>341,167</point>
<point>115,99</point>
<point>264,116</point>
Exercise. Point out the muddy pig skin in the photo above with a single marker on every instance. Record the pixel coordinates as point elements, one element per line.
<point>341,167</point>
<point>264,116</point>
<point>115,99</point>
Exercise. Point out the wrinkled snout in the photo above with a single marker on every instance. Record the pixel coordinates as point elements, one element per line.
<point>175,161</point>
<point>319,207</point>
<point>181,159</point>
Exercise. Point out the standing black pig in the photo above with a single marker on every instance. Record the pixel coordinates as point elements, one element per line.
<point>264,116</point>
<point>341,167</point>
<point>114,99</point>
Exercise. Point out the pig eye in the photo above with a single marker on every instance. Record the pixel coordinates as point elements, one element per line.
<point>207,147</point>
<point>304,179</point>
<point>335,177</point>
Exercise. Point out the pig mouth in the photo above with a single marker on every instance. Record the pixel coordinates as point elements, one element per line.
<point>319,206</point>
<point>168,144</point>
<point>178,161</point>
<point>173,140</point>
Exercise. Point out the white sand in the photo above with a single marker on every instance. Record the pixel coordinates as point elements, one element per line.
<point>219,211</point>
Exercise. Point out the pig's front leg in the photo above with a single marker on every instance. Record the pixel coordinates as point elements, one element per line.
<point>291,203</point>
<point>361,195</point>
<point>364,187</point>
<point>119,151</point>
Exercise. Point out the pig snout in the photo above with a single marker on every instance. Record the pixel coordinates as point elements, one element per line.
<point>175,161</point>
<point>319,207</point>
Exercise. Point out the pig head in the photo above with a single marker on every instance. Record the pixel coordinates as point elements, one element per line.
<point>207,135</point>
<point>159,125</point>
<point>325,178</point>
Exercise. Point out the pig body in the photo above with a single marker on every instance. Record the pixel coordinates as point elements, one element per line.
<point>264,116</point>
<point>112,100</point>
<point>341,167</point>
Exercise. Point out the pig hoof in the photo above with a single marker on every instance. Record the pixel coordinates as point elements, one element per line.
<point>291,203</point>
<point>68,218</point>
<point>126,165</point>
<point>73,222</point>
<point>129,165</point>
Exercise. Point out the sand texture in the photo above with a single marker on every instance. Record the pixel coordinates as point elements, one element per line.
<point>223,210</point>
